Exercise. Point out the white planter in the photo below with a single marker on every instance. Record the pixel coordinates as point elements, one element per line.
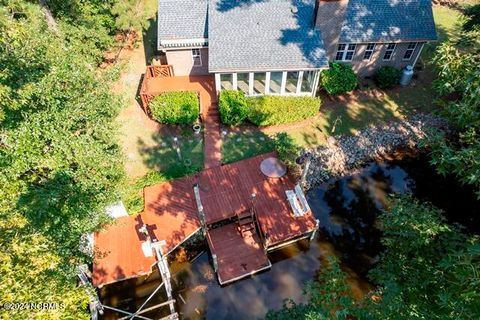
<point>197,128</point>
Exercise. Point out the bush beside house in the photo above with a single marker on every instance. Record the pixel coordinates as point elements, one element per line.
<point>339,78</point>
<point>387,77</point>
<point>181,107</point>
<point>233,108</point>
<point>275,110</point>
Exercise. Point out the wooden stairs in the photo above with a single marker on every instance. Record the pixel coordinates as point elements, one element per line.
<point>246,222</point>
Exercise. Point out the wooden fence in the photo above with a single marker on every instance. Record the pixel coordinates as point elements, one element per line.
<point>162,71</point>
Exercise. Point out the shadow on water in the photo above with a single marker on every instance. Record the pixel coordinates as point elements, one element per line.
<point>347,209</point>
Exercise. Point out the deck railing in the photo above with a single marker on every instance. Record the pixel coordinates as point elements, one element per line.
<point>161,71</point>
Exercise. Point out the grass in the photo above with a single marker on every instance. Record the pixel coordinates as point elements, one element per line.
<point>447,22</point>
<point>345,118</point>
<point>242,145</point>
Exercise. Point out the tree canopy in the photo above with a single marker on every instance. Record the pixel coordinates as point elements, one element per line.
<point>459,78</point>
<point>428,270</point>
<point>60,164</point>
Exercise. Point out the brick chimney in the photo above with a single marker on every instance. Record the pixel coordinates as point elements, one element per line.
<point>329,17</point>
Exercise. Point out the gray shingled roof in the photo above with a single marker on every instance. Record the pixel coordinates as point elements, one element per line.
<point>263,35</point>
<point>388,20</point>
<point>182,19</point>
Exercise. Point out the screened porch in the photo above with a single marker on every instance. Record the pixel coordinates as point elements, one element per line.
<point>302,82</point>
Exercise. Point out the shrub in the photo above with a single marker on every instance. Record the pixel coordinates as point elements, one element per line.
<point>471,17</point>
<point>387,77</point>
<point>286,148</point>
<point>288,151</point>
<point>339,78</point>
<point>180,107</point>
<point>273,110</point>
<point>232,105</point>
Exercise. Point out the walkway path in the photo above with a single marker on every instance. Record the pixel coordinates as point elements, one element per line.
<point>213,141</point>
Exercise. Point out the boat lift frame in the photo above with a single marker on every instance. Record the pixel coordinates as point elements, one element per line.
<point>97,308</point>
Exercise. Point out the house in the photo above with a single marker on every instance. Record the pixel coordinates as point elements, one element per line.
<point>281,46</point>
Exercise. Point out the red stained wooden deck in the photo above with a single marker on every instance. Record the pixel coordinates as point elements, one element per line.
<point>237,256</point>
<point>171,214</point>
<point>227,190</point>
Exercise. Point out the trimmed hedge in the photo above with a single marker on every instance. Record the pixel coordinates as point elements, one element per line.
<point>233,108</point>
<point>180,107</point>
<point>339,78</point>
<point>274,110</point>
<point>387,77</point>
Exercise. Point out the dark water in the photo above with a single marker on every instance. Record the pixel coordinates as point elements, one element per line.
<point>347,209</point>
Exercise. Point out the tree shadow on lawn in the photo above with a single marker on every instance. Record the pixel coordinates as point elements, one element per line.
<point>149,36</point>
<point>160,153</point>
<point>244,142</point>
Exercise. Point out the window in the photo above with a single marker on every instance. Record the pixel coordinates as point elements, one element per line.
<point>345,52</point>
<point>242,82</point>
<point>389,52</point>
<point>307,81</point>
<point>226,81</point>
<point>291,82</point>
<point>197,58</point>
<point>259,82</point>
<point>368,51</point>
<point>276,82</point>
<point>410,49</point>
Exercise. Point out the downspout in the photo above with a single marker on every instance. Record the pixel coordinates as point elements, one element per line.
<point>418,55</point>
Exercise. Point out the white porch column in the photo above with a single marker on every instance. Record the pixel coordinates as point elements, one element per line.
<point>251,79</point>
<point>218,84</point>
<point>267,83</point>
<point>284,82</point>
<point>235,81</point>
<point>315,82</point>
<point>299,82</point>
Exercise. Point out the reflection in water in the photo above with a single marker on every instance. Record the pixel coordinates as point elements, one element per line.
<point>347,209</point>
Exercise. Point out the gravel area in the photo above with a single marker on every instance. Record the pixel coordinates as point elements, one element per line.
<point>342,154</point>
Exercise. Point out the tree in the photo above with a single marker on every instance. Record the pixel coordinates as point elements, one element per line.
<point>459,77</point>
<point>330,297</point>
<point>60,164</point>
<point>130,15</point>
<point>428,270</point>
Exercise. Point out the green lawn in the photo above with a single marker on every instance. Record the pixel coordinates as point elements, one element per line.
<point>164,155</point>
<point>345,118</point>
<point>238,146</point>
<point>448,26</point>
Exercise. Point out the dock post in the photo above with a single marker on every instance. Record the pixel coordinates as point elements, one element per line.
<point>215,262</point>
<point>201,213</point>
<point>305,171</point>
<point>314,232</point>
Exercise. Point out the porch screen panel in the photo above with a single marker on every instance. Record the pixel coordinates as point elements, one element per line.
<point>307,81</point>
<point>259,83</point>
<point>242,82</point>
<point>276,82</point>
<point>226,80</point>
<point>292,81</point>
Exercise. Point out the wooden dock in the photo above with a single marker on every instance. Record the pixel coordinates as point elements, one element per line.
<point>173,213</point>
<point>235,255</point>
